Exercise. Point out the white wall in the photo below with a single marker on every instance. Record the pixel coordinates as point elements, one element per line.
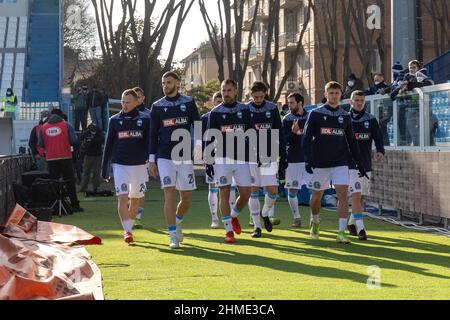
<point>20,8</point>
<point>22,130</point>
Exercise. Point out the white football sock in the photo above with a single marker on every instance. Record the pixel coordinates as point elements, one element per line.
<point>213,201</point>
<point>293,203</point>
<point>232,197</point>
<point>139,213</point>
<point>256,217</point>
<point>351,220</point>
<point>315,218</point>
<point>255,210</point>
<point>227,223</point>
<point>127,225</point>
<point>235,212</point>
<point>342,224</point>
<point>272,211</point>
<point>359,221</point>
<point>269,202</point>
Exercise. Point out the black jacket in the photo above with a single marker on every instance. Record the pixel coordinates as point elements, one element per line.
<point>91,143</point>
<point>94,99</point>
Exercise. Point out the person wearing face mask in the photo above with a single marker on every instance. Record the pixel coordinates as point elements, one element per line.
<point>91,147</point>
<point>415,78</point>
<point>379,87</point>
<point>353,84</point>
<point>9,104</point>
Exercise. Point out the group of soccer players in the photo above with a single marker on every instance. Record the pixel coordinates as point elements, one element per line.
<point>244,148</point>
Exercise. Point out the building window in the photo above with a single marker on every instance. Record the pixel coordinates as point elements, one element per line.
<point>291,25</point>
<point>8,1</point>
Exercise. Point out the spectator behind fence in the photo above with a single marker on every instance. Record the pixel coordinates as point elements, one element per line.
<point>398,73</point>
<point>37,151</point>
<point>353,84</point>
<point>81,109</point>
<point>94,103</point>
<point>415,78</point>
<point>56,137</point>
<point>379,87</point>
<point>9,103</point>
<point>92,140</point>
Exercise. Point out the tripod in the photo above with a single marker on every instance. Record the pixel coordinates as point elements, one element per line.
<point>59,203</point>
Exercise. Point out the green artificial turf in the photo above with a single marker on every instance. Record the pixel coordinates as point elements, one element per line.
<point>285,264</point>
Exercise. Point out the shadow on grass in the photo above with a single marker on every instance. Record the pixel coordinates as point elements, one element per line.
<point>361,254</point>
<point>239,258</point>
<point>113,265</point>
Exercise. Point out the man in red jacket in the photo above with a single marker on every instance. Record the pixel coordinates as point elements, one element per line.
<point>56,137</point>
<point>37,151</point>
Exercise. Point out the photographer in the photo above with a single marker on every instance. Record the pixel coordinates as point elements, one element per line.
<point>92,140</point>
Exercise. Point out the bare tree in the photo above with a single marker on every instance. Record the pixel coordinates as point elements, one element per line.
<point>329,40</point>
<point>271,58</point>
<point>298,51</point>
<point>216,37</point>
<point>347,23</point>
<point>140,39</point>
<point>363,38</point>
<point>149,42</point>
<point>237,63</point>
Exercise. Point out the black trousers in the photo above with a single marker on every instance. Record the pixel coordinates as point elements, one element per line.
<point>64,169</point>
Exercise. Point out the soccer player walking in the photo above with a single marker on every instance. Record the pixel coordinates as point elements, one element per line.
<point>264,173</point>
<point>142,108</point>
<point>170,115</point>
<point>230,159</point>
<point>296,175</point>
<point>367,131</point>
<point>213,198</point>
<point>126,148</point>
<point>328,137</point>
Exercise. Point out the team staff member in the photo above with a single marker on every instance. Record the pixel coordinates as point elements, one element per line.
<point>56,137</point>
<point>126,149</point>
<point>37,151</point>
<point>367,130</point>
<point>328,137</point>
<point>174,112</point>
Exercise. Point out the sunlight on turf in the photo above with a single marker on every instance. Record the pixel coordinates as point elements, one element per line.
<point>285,264</point>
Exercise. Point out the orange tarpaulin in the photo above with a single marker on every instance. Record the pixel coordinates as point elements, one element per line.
<point>41,263</point>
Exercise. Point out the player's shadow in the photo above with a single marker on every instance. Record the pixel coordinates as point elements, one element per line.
<point>383,241</point>
<point>238,258</point>
<point>365,255</point>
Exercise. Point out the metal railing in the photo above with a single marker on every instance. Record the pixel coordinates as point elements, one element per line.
<point>417,120</point>
<point>439,68</point>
